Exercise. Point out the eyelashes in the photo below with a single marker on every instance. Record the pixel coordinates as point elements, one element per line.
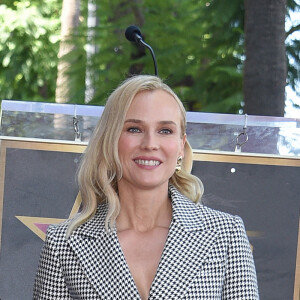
<point>165,131</point>
<point>133,130</point>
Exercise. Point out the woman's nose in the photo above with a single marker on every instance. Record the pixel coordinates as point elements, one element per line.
<point>150,141</point>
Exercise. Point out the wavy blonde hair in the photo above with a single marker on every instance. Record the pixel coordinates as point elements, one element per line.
<point>100,167</point>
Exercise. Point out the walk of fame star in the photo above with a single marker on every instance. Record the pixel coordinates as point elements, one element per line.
<point>39,225</point>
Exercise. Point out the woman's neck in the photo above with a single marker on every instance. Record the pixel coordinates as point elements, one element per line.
<point>143,210</point>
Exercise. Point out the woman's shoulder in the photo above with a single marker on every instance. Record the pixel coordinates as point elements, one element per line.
<point>218,218</point>
<point>57,233</point>
<point>195,213</point>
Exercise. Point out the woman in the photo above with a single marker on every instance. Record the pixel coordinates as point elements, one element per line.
<point>140,233</point>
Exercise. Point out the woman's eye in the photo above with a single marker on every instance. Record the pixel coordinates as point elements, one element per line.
<point>165,131</point>
<point>133,130</point>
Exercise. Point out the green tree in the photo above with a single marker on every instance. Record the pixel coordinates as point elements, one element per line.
<point>28,49</point>
<point>293,47</point>
<point>199,46</point>
<point>200,60</point>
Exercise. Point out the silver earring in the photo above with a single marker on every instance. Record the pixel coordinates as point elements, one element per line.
<point>178,165</point>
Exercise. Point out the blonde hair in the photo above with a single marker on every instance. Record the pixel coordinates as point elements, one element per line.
<point>100,168</point>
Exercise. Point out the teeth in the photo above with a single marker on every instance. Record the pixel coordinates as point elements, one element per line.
<point>147,162</point>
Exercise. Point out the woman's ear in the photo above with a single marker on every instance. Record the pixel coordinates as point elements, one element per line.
<point>184,140</point>
<point>188,156</point>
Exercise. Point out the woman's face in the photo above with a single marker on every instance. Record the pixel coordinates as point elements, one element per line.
<point>151,140</point>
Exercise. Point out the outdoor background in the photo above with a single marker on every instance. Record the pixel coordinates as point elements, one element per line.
<point>237,56</point>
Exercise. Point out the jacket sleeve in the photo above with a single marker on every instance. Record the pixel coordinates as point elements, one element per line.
<point>240,281</point>
<point>49,281</point>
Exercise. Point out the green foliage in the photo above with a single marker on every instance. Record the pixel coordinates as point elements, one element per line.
<point>28,49</point>
<point>292,5</point>
<point>199,45</point>
<point>293,52</point>
<point>293,47</point>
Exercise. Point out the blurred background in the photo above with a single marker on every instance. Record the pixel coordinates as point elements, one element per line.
<point>237,56</point>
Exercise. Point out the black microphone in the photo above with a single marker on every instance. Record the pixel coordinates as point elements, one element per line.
<point>133,34</point>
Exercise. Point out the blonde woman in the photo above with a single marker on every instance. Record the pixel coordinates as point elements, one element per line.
<point>141,233</point>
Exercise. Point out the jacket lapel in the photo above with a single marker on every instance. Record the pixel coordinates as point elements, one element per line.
<point>102,259</point>
<point>188,246</point>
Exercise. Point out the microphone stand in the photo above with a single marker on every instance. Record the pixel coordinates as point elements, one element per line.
<point>152,54</point>
<point>133,34</point>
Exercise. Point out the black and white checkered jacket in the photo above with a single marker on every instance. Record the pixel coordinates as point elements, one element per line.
<point>206,256</point>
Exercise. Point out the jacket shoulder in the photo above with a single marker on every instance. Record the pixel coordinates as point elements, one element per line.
<point>56,234</point>
<point>195,215</point>
<point>217,217</point>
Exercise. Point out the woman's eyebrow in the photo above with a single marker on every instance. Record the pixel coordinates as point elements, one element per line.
<point>167,122</point>
<point>140,121</point>
<point>133,121</point>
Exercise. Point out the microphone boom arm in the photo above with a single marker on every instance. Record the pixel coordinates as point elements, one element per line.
<point>152,54</point>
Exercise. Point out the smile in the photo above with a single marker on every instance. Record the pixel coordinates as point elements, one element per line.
<point>147,162</point>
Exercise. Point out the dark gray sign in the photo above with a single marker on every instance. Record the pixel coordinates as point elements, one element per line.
<point>267,197</point>
<point>39,188</point>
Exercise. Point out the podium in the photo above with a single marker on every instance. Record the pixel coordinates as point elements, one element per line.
<point>250,166</point>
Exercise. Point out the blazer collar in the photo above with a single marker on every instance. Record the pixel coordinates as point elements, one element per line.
<point>101,258</point>
<point>185,211</point>
<point>94,227</point>
<point>188,245</point>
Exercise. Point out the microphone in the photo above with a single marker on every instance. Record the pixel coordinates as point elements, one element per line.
<point>133,34</point>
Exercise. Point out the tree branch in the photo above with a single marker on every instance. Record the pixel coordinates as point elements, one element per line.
<point>292,30</point>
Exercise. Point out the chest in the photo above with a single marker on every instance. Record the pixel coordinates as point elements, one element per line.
<point>142,252</point>
<point>168,264</point>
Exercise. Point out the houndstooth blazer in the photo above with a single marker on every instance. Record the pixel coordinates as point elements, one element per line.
<point>206,256</point>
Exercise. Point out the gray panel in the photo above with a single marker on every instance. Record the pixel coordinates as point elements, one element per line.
<point>42,183</point>
<point>37,184</point>
<point>268,200</point>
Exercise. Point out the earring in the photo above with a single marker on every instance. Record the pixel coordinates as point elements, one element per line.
<point>178,165</point>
